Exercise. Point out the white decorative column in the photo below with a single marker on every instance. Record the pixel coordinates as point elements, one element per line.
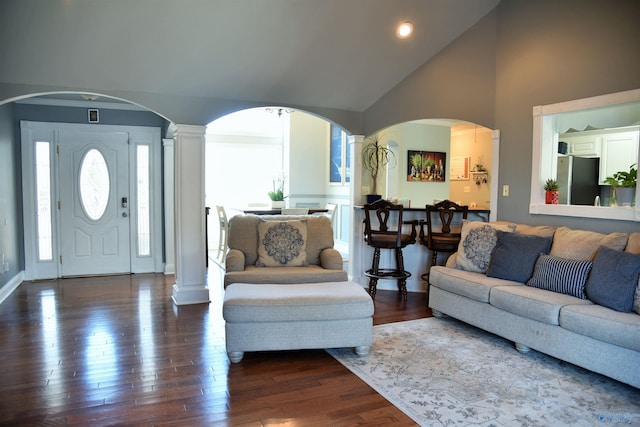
<point>169,189</point>
<point>191,286</point>
<point>355,235</point>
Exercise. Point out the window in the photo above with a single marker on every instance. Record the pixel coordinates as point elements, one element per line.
<point>339,157</point>
<point>43,201</point>
<point>94,184</point>
<point>143,212</point>
<point>615,110</point>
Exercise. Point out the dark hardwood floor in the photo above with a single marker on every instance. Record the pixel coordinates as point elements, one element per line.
<point>116,351</point>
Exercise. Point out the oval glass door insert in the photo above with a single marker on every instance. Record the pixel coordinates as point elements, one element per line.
<point>94,184</point>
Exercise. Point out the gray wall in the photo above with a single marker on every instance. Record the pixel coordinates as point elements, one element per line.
<point>458,83</point>
<point>57,114</point>
<point>545,51</point>
<point>11,232</point>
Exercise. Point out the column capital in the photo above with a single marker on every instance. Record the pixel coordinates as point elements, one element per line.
<point>355,139</point>
<point>190,129</point>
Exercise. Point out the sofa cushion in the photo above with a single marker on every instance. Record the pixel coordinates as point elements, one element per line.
<point>282,243</point>
<point>603,324</point>
<point>565,276</point>
<point>243,235</point>
<point>532,303</point>
<point>633,243</point>
<point>475,286</point>
<point>515,255</point>
<point>244,302</point>
<point>285,275</point>
<point>535,230</point>
<point>476,244</point>
<point>614,279</point>
<point>582,244</point>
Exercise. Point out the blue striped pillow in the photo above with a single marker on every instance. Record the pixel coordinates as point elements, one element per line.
<point>565,276</point>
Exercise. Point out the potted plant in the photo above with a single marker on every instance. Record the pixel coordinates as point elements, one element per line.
<point>277,194</point>
<point>624,186</point>
<point>375,157</point>
<point>551,196</point>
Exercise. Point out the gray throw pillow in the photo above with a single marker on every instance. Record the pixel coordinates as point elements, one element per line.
<point>515,255</point>
<point>565,276</point>
<point>614,279</point>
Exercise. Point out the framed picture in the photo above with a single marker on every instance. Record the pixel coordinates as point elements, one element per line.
<point>459,170</point>
<point>93,115</point>
<point>426,166</point>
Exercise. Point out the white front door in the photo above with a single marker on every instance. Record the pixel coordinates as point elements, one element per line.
<point>94,202</point>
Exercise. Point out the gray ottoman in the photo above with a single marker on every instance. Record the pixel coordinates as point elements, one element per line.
<point>297,316</point>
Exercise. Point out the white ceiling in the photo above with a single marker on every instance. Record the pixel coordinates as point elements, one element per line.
<point>325,53</point>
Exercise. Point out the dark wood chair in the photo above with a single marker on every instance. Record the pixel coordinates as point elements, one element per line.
<point>444,226</point>
<point>383,230</point>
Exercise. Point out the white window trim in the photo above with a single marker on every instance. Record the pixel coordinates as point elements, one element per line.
<point>543,159</point>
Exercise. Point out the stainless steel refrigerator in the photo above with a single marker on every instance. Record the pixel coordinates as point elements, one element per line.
<point>578,180</point>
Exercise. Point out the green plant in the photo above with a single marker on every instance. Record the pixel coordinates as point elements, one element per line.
<point>624,179</point>
<point>277,194</point>
<point>551,185</point>
<point>374,157</point>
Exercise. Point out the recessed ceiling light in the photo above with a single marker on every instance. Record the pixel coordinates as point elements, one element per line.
<point>404,30</point>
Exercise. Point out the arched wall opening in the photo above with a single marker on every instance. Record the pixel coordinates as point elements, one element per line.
<point>464,163</point>
<point>250,152</point>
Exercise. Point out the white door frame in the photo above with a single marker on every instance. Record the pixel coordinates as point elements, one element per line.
<point>33,132</point>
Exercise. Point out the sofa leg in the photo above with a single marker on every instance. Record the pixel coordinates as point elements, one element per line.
<point>437,314</point>
<point>235,356</point>
<point>362,350</point>
<point>522,348</point>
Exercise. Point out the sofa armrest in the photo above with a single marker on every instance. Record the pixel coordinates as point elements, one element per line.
<point>234,260</point>
<point>331,259</point>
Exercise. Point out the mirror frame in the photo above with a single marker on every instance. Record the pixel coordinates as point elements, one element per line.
<point>543,159</point>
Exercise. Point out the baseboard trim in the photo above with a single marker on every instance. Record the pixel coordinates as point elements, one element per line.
<point>11,286</point>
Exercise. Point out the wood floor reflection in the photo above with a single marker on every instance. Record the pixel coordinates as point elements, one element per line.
<point>116,351</point>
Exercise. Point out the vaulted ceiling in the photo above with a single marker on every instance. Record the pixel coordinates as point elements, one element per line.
<point>339,54</point>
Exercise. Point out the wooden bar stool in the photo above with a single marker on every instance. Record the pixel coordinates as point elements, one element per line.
<point>383,230</point>
<point>443,233</point>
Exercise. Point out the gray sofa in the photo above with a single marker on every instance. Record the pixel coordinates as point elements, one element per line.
<point>571,328</point>
<point>249,262</point>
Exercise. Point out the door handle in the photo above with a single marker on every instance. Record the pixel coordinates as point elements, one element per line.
<point>124,202</point>
<point>124,215</point>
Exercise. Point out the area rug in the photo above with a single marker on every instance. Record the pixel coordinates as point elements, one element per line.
<point>442,372</point>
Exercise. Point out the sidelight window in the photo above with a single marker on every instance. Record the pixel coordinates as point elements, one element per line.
<point>43,200</point>
<point>144,200</point>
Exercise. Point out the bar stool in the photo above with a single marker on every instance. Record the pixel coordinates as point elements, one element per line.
<point>440,236</point>
<point>384,232</point>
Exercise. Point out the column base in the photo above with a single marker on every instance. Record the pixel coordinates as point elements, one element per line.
<point>197,294</point>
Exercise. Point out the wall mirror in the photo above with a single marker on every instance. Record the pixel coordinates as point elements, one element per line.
<point>579,143</point>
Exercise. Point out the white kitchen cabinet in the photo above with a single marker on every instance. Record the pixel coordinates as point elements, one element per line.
<point>585,146</point>
<point>619,152</point>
